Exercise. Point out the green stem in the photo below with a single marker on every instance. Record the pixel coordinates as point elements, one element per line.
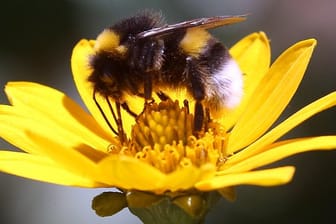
<point>182,209</point>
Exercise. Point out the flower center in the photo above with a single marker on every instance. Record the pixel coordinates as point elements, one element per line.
<point>163,137</point>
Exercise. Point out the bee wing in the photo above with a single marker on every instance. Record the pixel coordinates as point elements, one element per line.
<point>204,23</point>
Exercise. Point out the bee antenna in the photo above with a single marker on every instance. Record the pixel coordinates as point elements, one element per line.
<point>103,114</point>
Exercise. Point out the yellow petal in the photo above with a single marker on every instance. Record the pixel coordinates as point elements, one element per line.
<point>10,133</point>
<point>253,56</point>
<point>268,177</point>
<point>129,173</point>
<point>18,130</point>
<point>281,150</point>
<point>41,169</point>
<point>187,177</point>
<point>319,105</point>
<point>52,108</point>
<point>72,159</point>
<point>272,95</point>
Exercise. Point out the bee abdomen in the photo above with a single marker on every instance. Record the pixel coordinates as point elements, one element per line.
<point>224,83</point>
<point>224,88</point>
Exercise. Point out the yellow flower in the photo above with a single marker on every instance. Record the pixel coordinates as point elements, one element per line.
<point>64,144</point>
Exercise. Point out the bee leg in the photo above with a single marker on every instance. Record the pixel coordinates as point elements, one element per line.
<point>117,119</point>
<point>186,105</point>
<point>121,132</point>
<point>198,92</point>
<point>148,88</point>
<point>128,110</point>
<point>151,100</point>
<point>207,118</point>
<point>103,114</point>
<point>147,58</point>
<point>198,117</point>
<point>163,96</point>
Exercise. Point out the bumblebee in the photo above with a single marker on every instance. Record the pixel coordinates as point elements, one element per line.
<point>142,54</point>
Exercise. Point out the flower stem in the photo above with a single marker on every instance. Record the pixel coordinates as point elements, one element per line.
<point>183,209</point>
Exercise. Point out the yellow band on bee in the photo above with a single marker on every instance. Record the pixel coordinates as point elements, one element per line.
<point>194,41</point>
<point>107,40</point>
<point>121,49</point>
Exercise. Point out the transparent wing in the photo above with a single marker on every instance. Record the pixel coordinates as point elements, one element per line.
<point>204,23</point>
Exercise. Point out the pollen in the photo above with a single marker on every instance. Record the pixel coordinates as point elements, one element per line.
<point>163,137</point>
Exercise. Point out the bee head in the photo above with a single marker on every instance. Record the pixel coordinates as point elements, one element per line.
<point>113,48</point>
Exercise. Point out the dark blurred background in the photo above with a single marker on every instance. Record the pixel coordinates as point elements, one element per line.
<point>36,41</point>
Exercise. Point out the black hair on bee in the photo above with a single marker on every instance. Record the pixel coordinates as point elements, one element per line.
<point>142,54</point>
